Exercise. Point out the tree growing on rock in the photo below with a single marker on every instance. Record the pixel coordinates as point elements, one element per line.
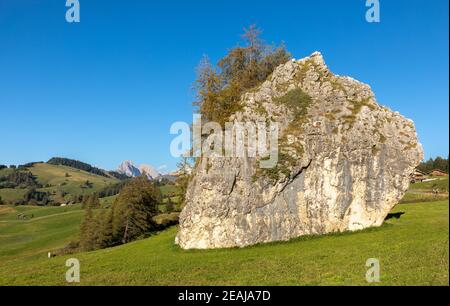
<point>219,89</point>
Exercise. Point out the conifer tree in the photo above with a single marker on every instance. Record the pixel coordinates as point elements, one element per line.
<point>134,209</point>
<point>170,205</point>
<point>105,238</point>
<point>219,89</point>
<point>94,201</point>
<point>84,201</point>
<point>89,231</point>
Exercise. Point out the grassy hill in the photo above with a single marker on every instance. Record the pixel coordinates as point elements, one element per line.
<point>413,250</point>
<point>441,184</point>
<point>56,179</point>
<point>430,191</point>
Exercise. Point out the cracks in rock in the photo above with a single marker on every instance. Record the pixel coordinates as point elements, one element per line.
<point>303,169</point>
<point>233,185</point>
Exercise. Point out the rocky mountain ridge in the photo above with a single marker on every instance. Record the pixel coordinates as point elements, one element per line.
<point>130,170</point>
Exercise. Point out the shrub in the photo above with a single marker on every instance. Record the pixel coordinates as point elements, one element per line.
<point>297,101</point>
<point>219,89</point>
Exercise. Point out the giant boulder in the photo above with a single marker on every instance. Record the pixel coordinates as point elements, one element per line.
<point>345,162</point>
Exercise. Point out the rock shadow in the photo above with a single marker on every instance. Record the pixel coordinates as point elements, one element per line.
<point>395,216</point>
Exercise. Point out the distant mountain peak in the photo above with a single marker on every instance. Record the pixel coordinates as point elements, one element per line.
<point>148,170</point>
<point>129,169</point>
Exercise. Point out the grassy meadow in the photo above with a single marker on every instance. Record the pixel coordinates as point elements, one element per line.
<point>413,250</point>
<point>423,192</point>
<point>59,179</point>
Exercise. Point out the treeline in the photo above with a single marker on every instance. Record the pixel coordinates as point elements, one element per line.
<point>438,163</point>
<point>118,175</point>
<point>32,197</point>
<point>130,217</point>
<point>112,190</point>
<point>220,87</point>
<point>19,179</point>
<point>58,161</point>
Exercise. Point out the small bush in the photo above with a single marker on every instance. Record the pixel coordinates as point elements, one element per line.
<point>296,101</point>
<point>219,89</point>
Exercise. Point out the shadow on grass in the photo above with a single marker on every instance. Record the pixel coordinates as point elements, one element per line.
<point>396,216</point>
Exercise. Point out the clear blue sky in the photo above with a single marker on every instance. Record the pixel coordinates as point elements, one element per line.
<point>109,88</point>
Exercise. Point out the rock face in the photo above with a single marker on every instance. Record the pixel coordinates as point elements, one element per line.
<point>129,169</point>
<point>345,162</point>
<point>150,172</point>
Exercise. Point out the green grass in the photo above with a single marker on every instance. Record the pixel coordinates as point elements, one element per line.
<point>9,194</point>
<point>170,190</point>
<point>413,250</point>
<point>8,213</point>
<point>440,183</point>
<point>416,197</point>
<point>423,192</point>
<point>55,176</point>
<point>108,201</point>
<point>25,241</point>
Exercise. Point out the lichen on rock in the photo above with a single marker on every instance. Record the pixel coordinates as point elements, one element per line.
<point>344,163</point>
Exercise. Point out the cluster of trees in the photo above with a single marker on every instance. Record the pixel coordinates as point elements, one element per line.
<point>10,167</point>
<point>438,163</point>
<point>128,219</point>
<point>34,197</point>
<point>31,197</point>
<point>165,180</point>
<point>90,201</point>
<point>26,180</point>
<point>29,165</point>
<point>170,205</point>
<point>184,176</point>
<point>118,175</point>
<point>112,190</point>
<point>87,185</point>
<point>219,88</point>
<point>58,161</point>
<point>19,179</point>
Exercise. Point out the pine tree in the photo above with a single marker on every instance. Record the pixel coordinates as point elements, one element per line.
<point>89,233</point>
<point>134,209</point>
<point>184,177</point>
<point>105,238</point>
<point>170,205</point>
<point>219,89</point>
<point>84,201</point>
<point>91,201</point>
<point>94,201</point>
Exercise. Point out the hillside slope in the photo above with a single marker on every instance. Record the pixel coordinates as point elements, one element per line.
<point>430,191</point>
<point>61,182</point>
